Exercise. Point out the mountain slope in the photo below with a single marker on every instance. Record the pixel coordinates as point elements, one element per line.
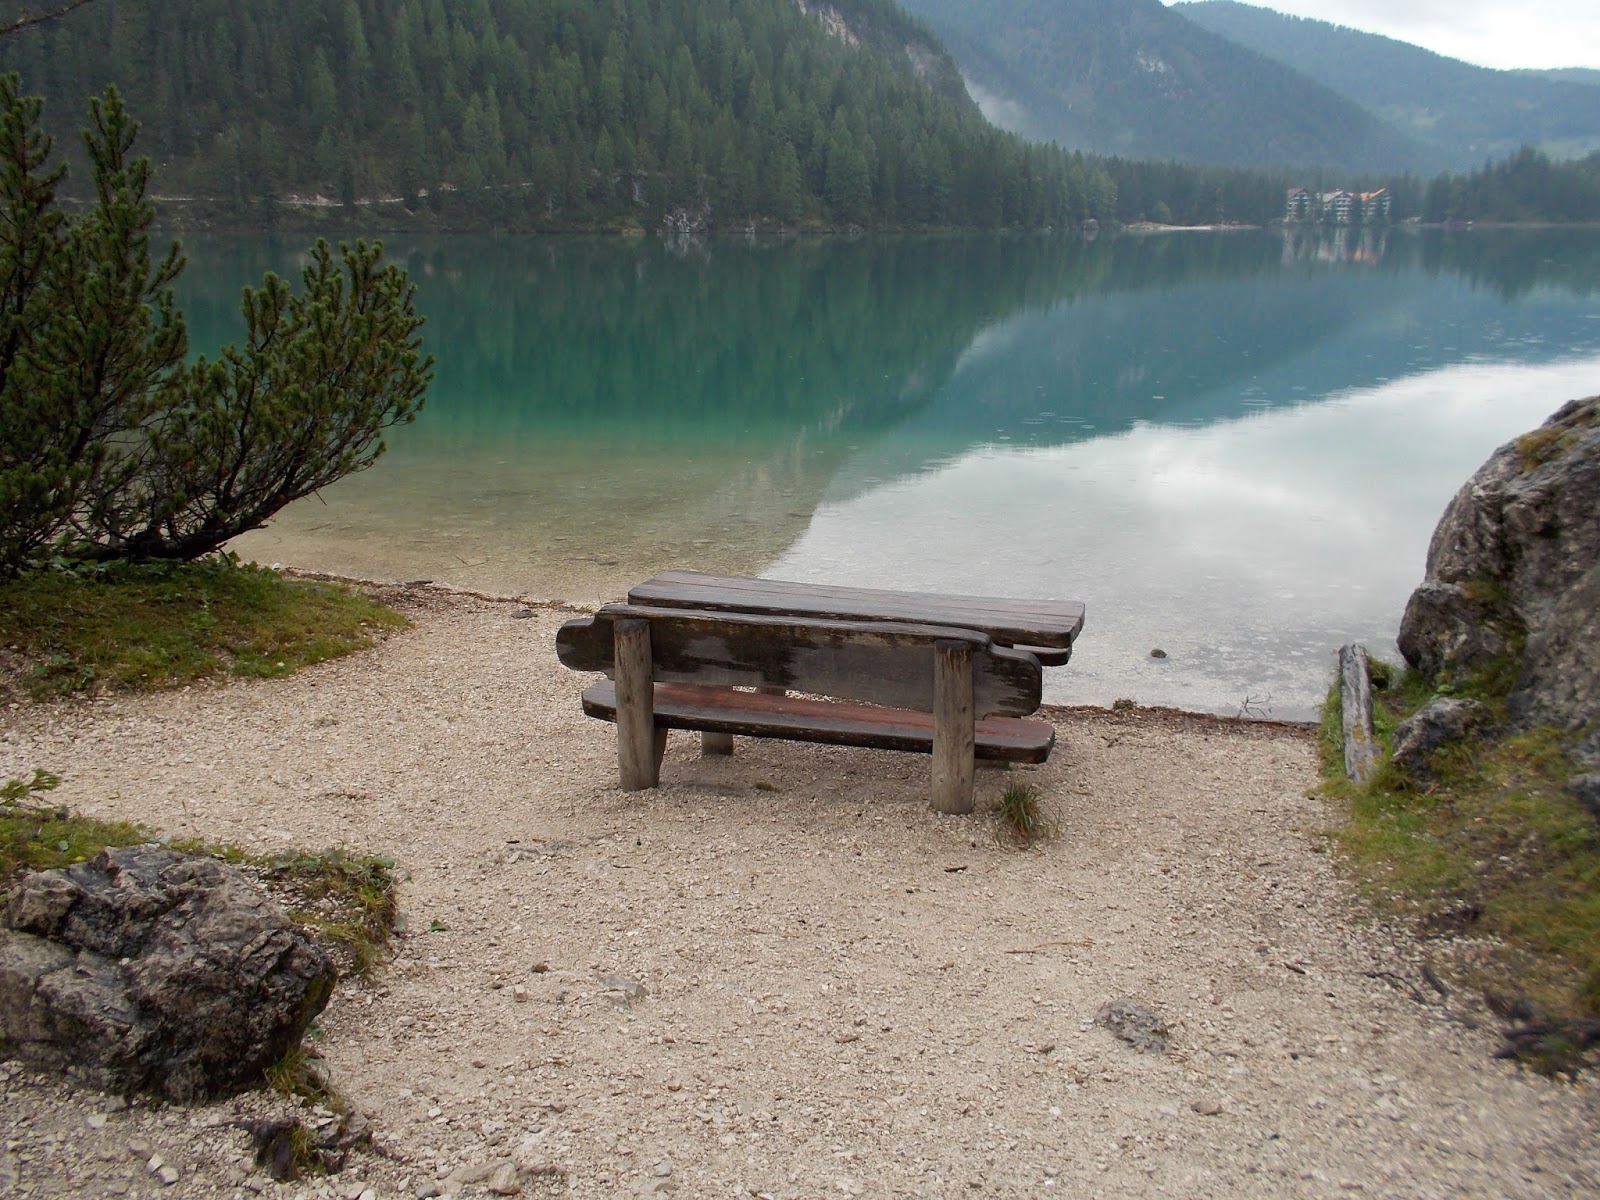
<point>1131,77</point>
<point>1469,112</point>
<point>554,113</point>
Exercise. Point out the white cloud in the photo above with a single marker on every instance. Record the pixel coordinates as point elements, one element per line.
<point>1493,33</point>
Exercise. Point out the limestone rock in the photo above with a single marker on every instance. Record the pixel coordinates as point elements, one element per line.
<point>1433,725</point>
<point>150,970</point>
<point>1512,578</point>
<point>1560,680</point>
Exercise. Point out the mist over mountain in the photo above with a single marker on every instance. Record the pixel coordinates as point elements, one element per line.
<point>1466,112</point>
<point>1134,78</point>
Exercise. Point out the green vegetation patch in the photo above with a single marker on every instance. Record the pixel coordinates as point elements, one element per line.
<point>38,837</point>
<point>1496,847</point>
<point>148,626</point>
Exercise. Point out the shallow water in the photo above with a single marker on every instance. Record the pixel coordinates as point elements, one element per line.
<point>1231,447</point>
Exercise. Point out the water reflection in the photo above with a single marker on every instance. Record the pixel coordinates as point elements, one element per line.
<point>1150,424</point>
<point>1247,549</point>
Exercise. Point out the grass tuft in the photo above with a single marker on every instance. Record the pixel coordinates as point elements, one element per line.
<point>1020,816</point>
<point>147,626</point>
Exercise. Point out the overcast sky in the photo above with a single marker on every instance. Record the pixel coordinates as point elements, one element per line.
<point>1493,33</point>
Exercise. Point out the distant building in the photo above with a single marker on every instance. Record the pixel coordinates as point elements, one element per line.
<point>1336,207</point>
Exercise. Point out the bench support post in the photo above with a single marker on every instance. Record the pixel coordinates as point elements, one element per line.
<point>953,727</point>
<point>712,744</point>
<point>640,744</point>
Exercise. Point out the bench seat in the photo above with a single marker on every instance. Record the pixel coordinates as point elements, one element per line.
<point>840,723</point>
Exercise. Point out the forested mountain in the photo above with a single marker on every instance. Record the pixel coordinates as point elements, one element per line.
<point>1133,78</point>
<point>1468,112</point>
<point>554,113</point>
<point>1589,75</point>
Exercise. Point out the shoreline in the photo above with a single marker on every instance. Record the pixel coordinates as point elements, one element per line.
<point>1198,718</point>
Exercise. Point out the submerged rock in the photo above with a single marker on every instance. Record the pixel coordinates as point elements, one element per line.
<point>146,970</point>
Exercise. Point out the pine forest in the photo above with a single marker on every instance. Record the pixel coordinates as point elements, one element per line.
<point>551,114</point>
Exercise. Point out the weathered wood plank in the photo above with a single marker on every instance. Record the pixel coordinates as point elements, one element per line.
<point>881,663</point>
<point>1046,624</point>
<point>953,728</point>
<point>1355,703</point>
<point>839,723</point>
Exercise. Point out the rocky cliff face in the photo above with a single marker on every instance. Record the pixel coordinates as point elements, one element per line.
<point>1513,579</point>
<point>887,31</point>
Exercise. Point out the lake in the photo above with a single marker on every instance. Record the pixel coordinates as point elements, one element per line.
<point>1232,447</point>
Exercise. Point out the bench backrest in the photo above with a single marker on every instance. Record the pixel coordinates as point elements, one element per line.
<point>887,663</point>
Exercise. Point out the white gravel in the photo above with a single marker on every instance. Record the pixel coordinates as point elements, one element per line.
<point>781,974</point>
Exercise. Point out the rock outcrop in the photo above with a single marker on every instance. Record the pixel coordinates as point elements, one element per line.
<point>1437,723</point>
<point>1513,579</point>
<point>146,970</point>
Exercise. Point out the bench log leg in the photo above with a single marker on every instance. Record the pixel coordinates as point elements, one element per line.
<point>640,744</point>
<point>712,744</point>
<point>715,743</point>
<point>953,733</point>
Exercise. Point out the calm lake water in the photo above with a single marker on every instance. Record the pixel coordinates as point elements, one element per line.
<point>1232,447</point>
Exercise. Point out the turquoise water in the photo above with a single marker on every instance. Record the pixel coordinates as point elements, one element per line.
<point>1232,447</point>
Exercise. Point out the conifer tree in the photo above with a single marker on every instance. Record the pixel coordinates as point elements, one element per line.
<point>110,444</point>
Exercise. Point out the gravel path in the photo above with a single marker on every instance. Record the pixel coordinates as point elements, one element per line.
<point>780,974</point>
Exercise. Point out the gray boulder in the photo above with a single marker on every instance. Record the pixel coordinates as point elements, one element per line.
<point>1585,790</point>
<point>1513,585</point>
<point>1435,724</point>
<point>146,970</point>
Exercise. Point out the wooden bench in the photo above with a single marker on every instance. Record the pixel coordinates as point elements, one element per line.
<point>891,684</point>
